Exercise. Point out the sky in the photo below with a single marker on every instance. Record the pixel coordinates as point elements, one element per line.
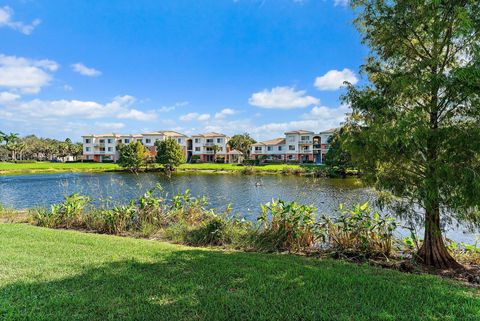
<point>71,68</point>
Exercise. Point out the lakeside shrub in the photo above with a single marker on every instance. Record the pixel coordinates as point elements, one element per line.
<point>286,226</point>
<point>359,230</point>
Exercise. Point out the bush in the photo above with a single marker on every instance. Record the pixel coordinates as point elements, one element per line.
<point>286,227</point>
<point>360,231</point>
<point>66,214</point>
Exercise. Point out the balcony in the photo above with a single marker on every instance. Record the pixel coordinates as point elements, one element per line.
<point>317,146</point>
<point>209,152</point>
<point>305,142</point>
<point>99,144</point>
<point>209,144</point>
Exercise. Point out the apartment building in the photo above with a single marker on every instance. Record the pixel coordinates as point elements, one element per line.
<point>210,147</point>
<point>100,148</point>
<point>103,147</point>
<point>298,145</point>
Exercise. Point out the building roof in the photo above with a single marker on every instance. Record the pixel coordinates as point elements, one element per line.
<point>102,135</point>
<point>212,134</point>
<point>301,131</point>
<point>168,133</point>
<point>276,141</point>
<point>235,152</point>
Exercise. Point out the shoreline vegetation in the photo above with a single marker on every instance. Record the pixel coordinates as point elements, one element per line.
<point>7,168</point>
<point>356,234</point>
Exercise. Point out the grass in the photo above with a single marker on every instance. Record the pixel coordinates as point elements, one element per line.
<point>57,275</point>
<point>45,167</point>
<point>49,167</point>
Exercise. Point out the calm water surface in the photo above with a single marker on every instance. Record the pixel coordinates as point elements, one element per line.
<point>244,193</point>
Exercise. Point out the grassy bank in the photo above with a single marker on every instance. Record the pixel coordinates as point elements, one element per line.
<point>48,167</point>
<point>54,274</point>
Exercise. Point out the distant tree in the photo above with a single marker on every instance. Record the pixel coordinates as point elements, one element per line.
<point>132,156</point>
<point>215,149</point>
<point>337,156</point>
<point>11,143</point>
<point>414,129</point>
<point>170,154</point>
<point>242,143</point>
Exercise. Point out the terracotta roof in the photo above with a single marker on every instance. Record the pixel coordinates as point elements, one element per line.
<point>212,134</point>
<point>102,135</point>
<point>299,132</point>
<point>235,152</point>
<point>276,141</point>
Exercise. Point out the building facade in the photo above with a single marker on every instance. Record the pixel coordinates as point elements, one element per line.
<point>297,146</point>
<point>210,147</point>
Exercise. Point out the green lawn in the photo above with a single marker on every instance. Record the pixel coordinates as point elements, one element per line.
<point>45,167</point>
<point>67,275</point>
<point>6,167</point>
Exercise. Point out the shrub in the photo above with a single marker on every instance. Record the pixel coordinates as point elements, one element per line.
<point>66,214</point>
<point>360,231</point>
<point>119,219</point>
<point>247,170</point>
<point>286,226</point>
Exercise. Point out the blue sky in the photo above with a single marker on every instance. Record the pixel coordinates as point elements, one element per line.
<point>69,68</point>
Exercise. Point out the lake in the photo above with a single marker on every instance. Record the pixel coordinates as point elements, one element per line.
<point>245,193</point>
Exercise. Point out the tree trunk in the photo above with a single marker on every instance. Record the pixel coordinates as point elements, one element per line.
<point>433,251</point>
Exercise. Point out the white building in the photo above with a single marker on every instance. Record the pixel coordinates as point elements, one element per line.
<point>298,145</point>
<point>203,147</point>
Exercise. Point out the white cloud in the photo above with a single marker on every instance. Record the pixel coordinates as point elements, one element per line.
<point>224,113</point>
<point>85,71</point>
<point>334,79</point>
<point>135,114</point>
<point>282,98</point>
<point>343,3</point>
<point>109,126</point>
<point>195,116</point>
<point>166,109</point>
<point>25,75</point>
<point>36,110</point>
<point>6,97</point>
<point>6,14</point>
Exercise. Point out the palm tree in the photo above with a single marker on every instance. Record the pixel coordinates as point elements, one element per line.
<point>2,136</point>
<point>11,140</point>
<point>215,149</point>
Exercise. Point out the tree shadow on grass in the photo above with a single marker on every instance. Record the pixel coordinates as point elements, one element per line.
<point>213,285</point>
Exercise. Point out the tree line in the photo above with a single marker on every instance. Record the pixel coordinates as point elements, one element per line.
<point>16,148</point>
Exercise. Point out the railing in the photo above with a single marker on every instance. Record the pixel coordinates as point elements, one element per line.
<point>99,144</point>
<point>209,152</point>
<point>303,142</point>
<point>209,144</point>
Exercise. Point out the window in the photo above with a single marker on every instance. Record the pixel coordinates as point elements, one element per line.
<point>110,140</point>
<point>304,138</point>
<point>291,147</point>
<point>291,157</point>
<point>219,140</point>
<point>102,149</point>
<point>110,149</point>
<point>87,149</point>
<point>126,141</point>
<point>269,148</point>
<point>279,147</point>
<point>148,140</point>
<point>209,140</point>
<point>179,140</point>
<point>291,138</point>
<point>258,148</point>
<point>197,149</point>
<point>102,141</point>
<point>88,141</point>
<point>197,140</point>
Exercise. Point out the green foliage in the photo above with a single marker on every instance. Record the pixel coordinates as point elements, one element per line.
<point>359,231</point>
<point>170,154</point>
<point>286,226</point>
<point>242,143</point>
<point>413,130</point>
<point>66,214</point>
<point>133,156</point>
<point>337,157</point>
